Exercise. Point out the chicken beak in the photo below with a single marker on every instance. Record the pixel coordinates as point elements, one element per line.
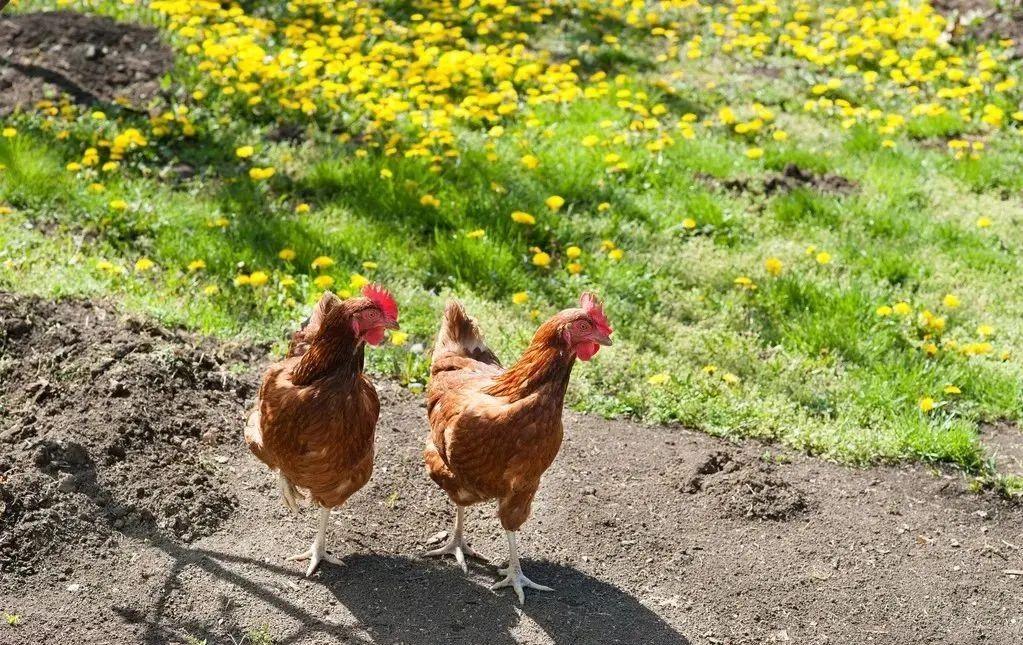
<point>603,340</point>
<point>391,324</point>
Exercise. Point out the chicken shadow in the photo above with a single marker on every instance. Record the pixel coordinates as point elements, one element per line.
<point>402,600</point>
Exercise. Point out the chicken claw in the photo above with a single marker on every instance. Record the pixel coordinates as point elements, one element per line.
<point>517,580</point>
<point>457,545</point>
<point>514,577</point>
<point>318,551</point>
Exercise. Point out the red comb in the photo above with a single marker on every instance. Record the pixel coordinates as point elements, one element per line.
<point>382,298</point>
<point>595,310</point>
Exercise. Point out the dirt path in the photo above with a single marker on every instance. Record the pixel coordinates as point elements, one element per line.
<point>131,513</point>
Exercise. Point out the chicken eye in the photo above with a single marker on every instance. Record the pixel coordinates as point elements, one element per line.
<point>582,325</point>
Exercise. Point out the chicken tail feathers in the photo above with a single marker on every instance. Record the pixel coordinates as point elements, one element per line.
<point>459,337</point>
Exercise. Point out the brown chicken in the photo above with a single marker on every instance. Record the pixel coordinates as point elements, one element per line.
<point>317,412</point>
<point>495,431</point>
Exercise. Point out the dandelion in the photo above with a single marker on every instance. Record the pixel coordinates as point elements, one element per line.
<point>323,281</point>
<point>574,268</point>
<point>96,188</point>
<point>287,281</point>
<point>476,234</point>
<point>754,153</point>
<point>530,162</point>
<point>744,282</point>
<point>773,266</point>
<point>258,278</point>
<point>983,221</point>
<point>883,311</point>
<point>429,201</point>
<point>322,262</point>
<point>520,297</point>
<point>399,338</point>
<point>302,208</point>
<point>196,265</point>
<point>952,389</point>
<point>730,378</point>
<point>823,258</point>
<point>385,173</point>
<point>616,254</point>
<point>780,135</point>
<point>244,152</point>
<point>241,280</point>
<point>902,308</point>
<point>659,379</point>
<point>603,207</point>
<point>259,174</point>
<point>369,265</point>
<point>520,217</point>
<point>573,252</point>
<point>950,301</point>
<point>110,166</point>
<point>99,116</point>
<point>211,290</point>
<point>357,281</point>
<point>926,404</point>
<point>74,166</point>
<point>9,133</point>
<point>554,202</point>
<point>288,255</point>
<point>541,259</point>
<point>985,330</point>
<point>118,205</point>
<point>709,369</point>
<point>144,264</point>
<point>689,223</point>
<point>590,140</point>
<point>888,143</point>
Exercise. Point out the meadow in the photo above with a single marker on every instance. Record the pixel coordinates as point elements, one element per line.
<point>804,218</point>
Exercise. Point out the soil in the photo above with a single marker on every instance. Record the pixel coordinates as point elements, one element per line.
<point>984,20</point>
<point>92,59</point>
<point>790,178</point>
<point>1004,444</point>
<point>133,513</point>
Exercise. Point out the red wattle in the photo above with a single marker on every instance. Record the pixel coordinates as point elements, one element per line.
<point>586,351</point>
<point>374,335</point>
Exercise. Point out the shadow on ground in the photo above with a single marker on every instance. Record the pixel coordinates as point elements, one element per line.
<point>399,600</point>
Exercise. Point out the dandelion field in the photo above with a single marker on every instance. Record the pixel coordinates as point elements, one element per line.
<point>805,219</point>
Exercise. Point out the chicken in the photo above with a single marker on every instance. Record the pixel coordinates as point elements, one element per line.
<point>495,431</point>
<point>317,412</point>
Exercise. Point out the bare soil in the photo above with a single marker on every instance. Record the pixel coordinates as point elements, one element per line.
<point>92,59</point>
<point>792,177</point>
<point>132,513</point>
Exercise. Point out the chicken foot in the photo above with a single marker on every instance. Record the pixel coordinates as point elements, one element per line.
<point>514,577</point>
<point>457,545</point>
<point>288,492</point>
<point>318,551</point>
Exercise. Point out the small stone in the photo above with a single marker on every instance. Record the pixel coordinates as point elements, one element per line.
<point>74,587</point>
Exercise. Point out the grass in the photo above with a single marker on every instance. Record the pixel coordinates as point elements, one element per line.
<point>706,335</point>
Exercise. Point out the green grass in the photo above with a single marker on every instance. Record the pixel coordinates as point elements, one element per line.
<point>802,358</point>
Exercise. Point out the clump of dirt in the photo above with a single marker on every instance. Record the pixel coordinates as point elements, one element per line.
<point>791,178</point>
<point>109,426</point>
<point>746,490</point>
<point>92,59</point>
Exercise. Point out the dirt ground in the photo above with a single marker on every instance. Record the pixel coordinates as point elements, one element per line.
<point>131,512</point>
<point>92,59</point>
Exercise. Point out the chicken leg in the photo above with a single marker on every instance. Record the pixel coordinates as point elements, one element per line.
<point>456,545</point>
<point>317,552</point>
<point>514,577</point>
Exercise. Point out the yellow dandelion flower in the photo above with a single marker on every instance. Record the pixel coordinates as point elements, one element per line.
<point>9,133</point>
<point>659,379</point>
<point>823,258</point>
<point>144,264</point>
<point>529,161</point>
<point>357,281</point>
<point>554,202</point>
<point>118,205</point>
<point>244,152</point>
<point>616,254</point>
<point>574,268</point>
<point>476,234</point>
<point>773,266</point>
<point>902,308</point>
<point>520,297</point>
<point>730,378</point>
<point>883,311</point>
<point>689,223</point>
<point>258,278</point>
<point>196,265</point>
<point>926,404</point>
<point>322,262</point>
<point>241,280</point>
<point>521,217</point>
<point>983,222</point>
<point>754,153</point>
<point>541,259</point>
<point>952,389</point>
<point>950,301</point>
<point>985,330</point>
<point>323,281</point>
<point>211,289</point>
<point>288,255</point>
<point>302,208</point>
<point>399,338</point>
<point>573,252</point>
<point>369,265</point>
